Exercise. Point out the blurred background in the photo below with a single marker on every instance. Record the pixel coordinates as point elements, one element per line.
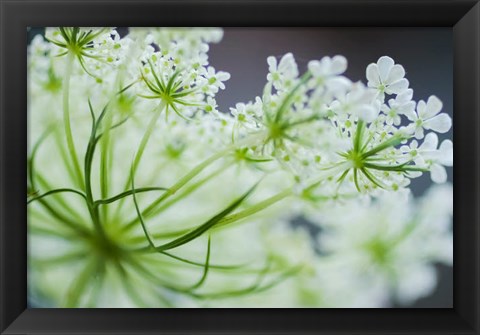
<point>425,53</point>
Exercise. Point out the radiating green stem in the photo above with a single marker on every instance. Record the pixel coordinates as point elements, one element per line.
<point>358,135</point>
<point>56,212</point>
<point>177,186</point>
<point>192,174</point>
<point>105,153</point>
<point>127,193</point>
<point>144,141</point>
<point>188,190</point>
<point>63,203</point>
<point>141,148</point>
<point>66,121</point>
<point>289,98</point>
<point>255,208</point>
<point>59,141</point>
<point>107,146</point>
<point>80,284</point>
<point>92,208</point>
<point>59,190</point>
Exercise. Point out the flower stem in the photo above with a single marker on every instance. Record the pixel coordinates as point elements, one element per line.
<point>255,208</point>
<point>107,143</point>
<point>144,141</point>
<point>92,208</point>
<point>66,120</point>
<point>141,148</point>
<point>152,208</point>
<point>178,185</point>
<point>105,157</point>
<point>189,190</point>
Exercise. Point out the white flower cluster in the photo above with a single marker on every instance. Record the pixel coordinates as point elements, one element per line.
<point>368,255</point>
<point>177,74</point>
<point>346,130</point>
<point>200,208</point>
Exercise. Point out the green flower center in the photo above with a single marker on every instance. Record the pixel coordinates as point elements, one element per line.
<point>378,250</point>
<point>356,158</point>
<point>276,130</point>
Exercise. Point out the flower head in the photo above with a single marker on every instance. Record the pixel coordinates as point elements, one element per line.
<point>97,44</point>
<point>178,75</point>
<point>387,77</point>
<point>427,117</point>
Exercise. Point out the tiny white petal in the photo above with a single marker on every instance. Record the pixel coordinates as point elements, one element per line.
<point>396,73</point>
<point>338,84</point>
<point>397,87</point>
<point>272,64</point>
<point>410,114</point>
<point>438,173</point>
<point>419,133</point>
<point>385,65</point>
<point>440,123</point>
<point>405,97</point>
<point>430,142</point>
<point>286,62</point>
<point>314,68</point>
<point>407,108</point>
<point>367,113</point>
<point>223,76</point>
<point>434,106</point>
<point>446,153</point>
<point>421,106</point>
<point>415,174</point>
<point>372,75</point>
<point>339,65</point>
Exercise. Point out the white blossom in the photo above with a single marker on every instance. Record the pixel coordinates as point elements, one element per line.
<point>427,117</point>
<point>386,77</point>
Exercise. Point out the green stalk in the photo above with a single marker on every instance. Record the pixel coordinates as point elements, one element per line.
<point>80,284</point>
<point>141,148</point>
<point>177,186</point>
<point>288,99</point>
<point>358,135</point>
<point>58,190</point>
<point>107,146</point>
<point>189,190</point>
<point>144,141</point>
<point>255,208</point>
<point>62,202</point>
<point>72,223</point>
<point>105,154</point>
<point>92,208</point>
<point>66,120</point>
<point>391,142</point>
<point>64,155</point>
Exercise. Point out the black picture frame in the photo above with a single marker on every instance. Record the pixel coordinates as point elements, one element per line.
<point>463,16</point>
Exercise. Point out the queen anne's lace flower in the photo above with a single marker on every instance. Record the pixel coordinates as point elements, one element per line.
<point>190,210</point>
<point>281,75</point>
<point>432,158</point>
<point>370,157</point>
<point>427,117</point>
<point>390,238</point>
<point>357,101</point>
<point>327,71</point>
<point>177,76</point>
<point>401,105</point>
<point>87,45</point>
<point>387,77</point>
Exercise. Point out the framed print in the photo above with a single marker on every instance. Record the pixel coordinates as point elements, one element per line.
<point>240,167</point>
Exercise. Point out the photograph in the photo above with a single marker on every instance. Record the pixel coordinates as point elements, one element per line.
<point>240,167</point>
